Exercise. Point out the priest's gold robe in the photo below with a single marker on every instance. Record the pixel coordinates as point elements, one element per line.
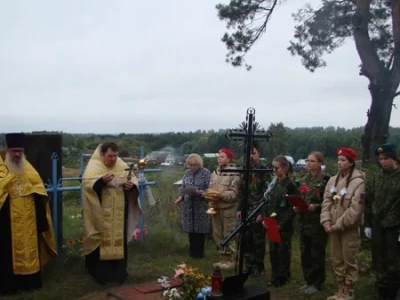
<point>110,217</point>
<point>27,240</point>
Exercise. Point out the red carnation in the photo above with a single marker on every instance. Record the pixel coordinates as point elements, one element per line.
<point>304,189</point>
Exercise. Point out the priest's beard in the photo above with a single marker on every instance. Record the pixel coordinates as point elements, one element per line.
<point>17,168</point>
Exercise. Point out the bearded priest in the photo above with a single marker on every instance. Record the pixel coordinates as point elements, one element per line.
<point>111,211</point>
<point>27,240</point>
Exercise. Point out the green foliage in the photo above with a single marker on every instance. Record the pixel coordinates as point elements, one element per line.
<point>210,163</point>
<point>321,31</point>
<point>244,17</point>
<point>318,31</point>
<point>297,142</point>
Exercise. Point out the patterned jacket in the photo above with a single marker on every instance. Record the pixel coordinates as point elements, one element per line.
<point>313,193</point>
<point>383,199</point>
<point>280,206</point>
<point>194,216</point>
<point>257,187</point>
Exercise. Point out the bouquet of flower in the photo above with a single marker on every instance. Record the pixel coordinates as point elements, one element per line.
<point>193,284</point>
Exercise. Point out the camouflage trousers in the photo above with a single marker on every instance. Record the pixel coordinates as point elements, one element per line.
<point>312,247</point>
<point>280,256</point>
<point>386,258</point>
<point>254,246</point>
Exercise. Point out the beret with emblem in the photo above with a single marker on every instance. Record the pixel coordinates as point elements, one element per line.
<point>348,152</point>
<point>385,148</point>
<point>227,151</point>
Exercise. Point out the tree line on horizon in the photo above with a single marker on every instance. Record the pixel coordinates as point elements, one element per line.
<point>296,142</point>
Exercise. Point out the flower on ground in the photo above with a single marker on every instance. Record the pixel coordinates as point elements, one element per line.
<point>164,282</point>
<point>171,294</point>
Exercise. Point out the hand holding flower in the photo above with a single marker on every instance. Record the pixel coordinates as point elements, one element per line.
<point>311,208</point>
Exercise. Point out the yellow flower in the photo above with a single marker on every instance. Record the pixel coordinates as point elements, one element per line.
<point>273,215</point>
<point>336,197</point>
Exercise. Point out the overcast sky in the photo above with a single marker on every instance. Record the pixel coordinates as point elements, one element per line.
<point>154,66</point>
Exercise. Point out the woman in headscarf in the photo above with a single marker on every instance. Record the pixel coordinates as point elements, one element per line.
<point>341,216</point>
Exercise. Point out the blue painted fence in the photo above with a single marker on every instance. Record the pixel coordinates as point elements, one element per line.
<point>54,187</point>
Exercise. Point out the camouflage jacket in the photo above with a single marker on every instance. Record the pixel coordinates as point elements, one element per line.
<point>313,193</point>
<point>257,187</point>
<point>383,199</point>
<point>280,206</point>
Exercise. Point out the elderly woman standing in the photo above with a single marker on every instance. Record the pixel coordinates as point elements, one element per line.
<point>196,222</point>
<point>341,216</point>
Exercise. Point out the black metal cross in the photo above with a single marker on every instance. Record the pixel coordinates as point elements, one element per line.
<point>247,133</point>
<point>130,169</point>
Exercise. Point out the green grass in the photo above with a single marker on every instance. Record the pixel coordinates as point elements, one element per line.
<point>165,246</point>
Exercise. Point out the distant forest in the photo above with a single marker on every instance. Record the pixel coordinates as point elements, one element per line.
<point>297,142</point>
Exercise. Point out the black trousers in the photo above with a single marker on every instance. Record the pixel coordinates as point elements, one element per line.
<point>280,256</point>
<point>196,245</point>
<point>386,260</point>
<point>313,258</point>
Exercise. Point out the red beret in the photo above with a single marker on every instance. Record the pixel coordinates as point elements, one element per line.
<point>348,152</point>
<point>228,152</point>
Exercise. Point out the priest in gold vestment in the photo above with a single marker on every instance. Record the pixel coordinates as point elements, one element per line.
<point>111,211</point>
<point>26,231</point>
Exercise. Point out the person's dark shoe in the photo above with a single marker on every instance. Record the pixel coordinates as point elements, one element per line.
<point>311,290</point>
<point>271,283</point>
<point>304,287</point>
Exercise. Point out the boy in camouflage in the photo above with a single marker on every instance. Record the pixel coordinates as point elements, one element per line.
<point>382,220</point>
<point>254,246</point>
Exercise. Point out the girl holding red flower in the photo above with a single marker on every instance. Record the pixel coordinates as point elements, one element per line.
<point>313,238</point>
<point>279,207</point>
